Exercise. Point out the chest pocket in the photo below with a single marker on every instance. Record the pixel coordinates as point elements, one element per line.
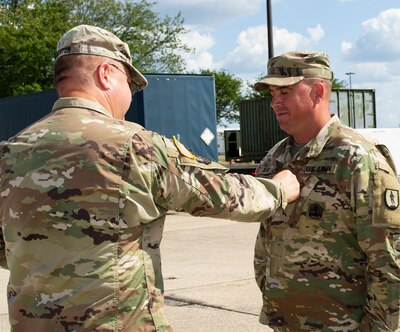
<point>320,209</point>
<point>302,202</point>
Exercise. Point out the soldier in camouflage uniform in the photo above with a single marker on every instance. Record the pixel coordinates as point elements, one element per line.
<point>329,261</point>
<point>84,195</point>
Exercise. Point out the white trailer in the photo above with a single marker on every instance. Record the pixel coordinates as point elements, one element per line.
<point>386,136</point>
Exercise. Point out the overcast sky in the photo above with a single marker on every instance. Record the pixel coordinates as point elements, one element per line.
<point>360,36</point>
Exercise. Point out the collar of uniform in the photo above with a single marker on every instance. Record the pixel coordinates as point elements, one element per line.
<point>76,102</point>
<point>315,146</point>
<point>312,148</point>
<point>281,151</point>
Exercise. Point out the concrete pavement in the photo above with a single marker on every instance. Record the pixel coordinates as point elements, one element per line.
<point>208,274</point>
<point>4,325</point>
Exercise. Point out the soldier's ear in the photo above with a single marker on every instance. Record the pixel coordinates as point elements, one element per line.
<point>103,74</point>
<point>319,90</point>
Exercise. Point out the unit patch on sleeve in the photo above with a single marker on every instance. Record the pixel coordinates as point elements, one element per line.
<point>182,149</point>
<point>392,198</point>
<point>386,200</point>
<point>186,153</point>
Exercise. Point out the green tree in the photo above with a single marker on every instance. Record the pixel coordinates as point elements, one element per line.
<point>338,84</point>
<point>28,36</point>
<point>228,93</point>
<point>30,29</point>
<point>251,94</point>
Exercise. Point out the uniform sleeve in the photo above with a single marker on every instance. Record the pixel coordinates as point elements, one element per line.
<point>3,261</point>
<point>184,182</point>
<point>378,230</point>
<point>260,258</point>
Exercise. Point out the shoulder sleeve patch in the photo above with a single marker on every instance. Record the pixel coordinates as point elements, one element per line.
<point>385,167</point>
<point>182,149</point>
<point>386,153</point>
<point>386,192</point>
<point>184,157</point>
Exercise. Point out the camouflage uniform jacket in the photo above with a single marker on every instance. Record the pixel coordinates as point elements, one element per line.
<point>83,198</point>
<point>330,261</point>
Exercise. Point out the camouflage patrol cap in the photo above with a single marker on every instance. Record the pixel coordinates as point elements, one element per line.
<point>292,67</point>
<point>91,40</point>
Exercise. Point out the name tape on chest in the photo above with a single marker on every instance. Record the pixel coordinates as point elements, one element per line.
<point>319,169</point>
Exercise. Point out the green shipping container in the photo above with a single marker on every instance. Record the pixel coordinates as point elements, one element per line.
<point>259,130</point>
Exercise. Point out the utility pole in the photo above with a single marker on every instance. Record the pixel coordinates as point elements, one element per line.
<point>349,74</point>
<point>270,32</point>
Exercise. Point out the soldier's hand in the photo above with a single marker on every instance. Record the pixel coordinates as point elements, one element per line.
<point>290,183</point>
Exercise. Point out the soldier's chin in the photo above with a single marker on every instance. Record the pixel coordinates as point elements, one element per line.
<point>284,126</point>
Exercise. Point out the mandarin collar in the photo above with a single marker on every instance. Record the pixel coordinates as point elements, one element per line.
<point>76,102</point>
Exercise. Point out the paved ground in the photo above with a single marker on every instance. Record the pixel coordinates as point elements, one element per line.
<point>4,326</point>
<point>208,273</point>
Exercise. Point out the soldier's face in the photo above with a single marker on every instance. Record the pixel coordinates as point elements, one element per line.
<point>293,107</point>
<point>123,96</point>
